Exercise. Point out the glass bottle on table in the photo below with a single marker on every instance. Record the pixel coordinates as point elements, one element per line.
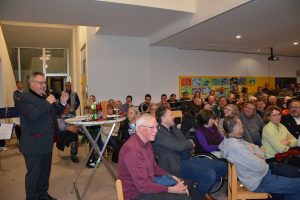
<point>95,112</point>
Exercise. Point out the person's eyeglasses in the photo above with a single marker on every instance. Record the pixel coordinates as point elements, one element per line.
<point>152,127</point>
<point>227,109</point>
<point>40,82</point>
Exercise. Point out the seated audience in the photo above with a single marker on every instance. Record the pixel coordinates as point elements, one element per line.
<point>197,94</point>
<point>230,110</point>
<point>252,123</point>
<point>174,155</point>
<point>127,127</point>
<point>125,106</point>
<point>292,120</point>
<point>267,89</point>
<point>259,92</point>
<point>211,93</point>
<point>211,100</point>
<point>68,134</point>
<point>275,137</point>
<point>153,109</point>
<point>253,99</point>
<point>231,99</point>
<point>222,92</point>
<point>265,97</point>
<point>144,107</point>
<point>185,102</point>
<point>272,101</point>
<point>189,122</point>
<point>218,109</point>
<point>173,102</point>
<point>91,100</point>
<point>207,132</point>
<point>137,168</point>
<point>163,101</point>
<point>252,169</point>
<point>240,103</point>
<point>206,106</point>
<point>286,109</point>
<point>260,108</point>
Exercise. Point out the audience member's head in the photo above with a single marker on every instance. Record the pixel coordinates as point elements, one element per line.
<point>185,95</point>
<point>249,109</point>
<point>163,98</point>
<point>231,110</point>
<point>110,109</point>
<point>212,93</point>
<point>111,102</point>
<point>146,128</point>
<point>294,107</point>
<point>253,99</point>
<point>207,106</point>
<point>164,116</point>
<point>233,127</point>
<point>272,114</point>
<point>197,94</point>
<point>222,102</point>
<point>148,99</point>
<point>173,97</point>
<point>153,109</point>
<point>231,98</point>
<point>205,118</point>
<point>19,85</point>
<point>68,86</point>
<point>91,99</point>
<point>265,97</point>
<point>198,102</point>
<point>129,100</point>
<point>259,90</point>
<point>261,105</point>
<point>132,114</point>
<point>67,109</point>
<point>272,100</point>
<point>211,100</point>
<point>221,90</point>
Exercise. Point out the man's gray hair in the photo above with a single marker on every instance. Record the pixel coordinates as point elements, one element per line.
<point>34,74</point>
<point>142,119</point>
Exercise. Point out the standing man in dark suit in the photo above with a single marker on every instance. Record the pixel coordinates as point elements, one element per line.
<point>39,124</point>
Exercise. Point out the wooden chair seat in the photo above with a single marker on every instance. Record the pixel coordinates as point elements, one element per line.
<point>237,191</point>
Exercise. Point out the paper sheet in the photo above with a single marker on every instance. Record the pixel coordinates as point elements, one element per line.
<point>6,131</point>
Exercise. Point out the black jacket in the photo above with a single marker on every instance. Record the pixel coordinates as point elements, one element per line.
<point>39,123</point>
<point>290,123</point>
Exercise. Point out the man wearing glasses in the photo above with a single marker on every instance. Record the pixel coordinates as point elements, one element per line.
<point>292,120</point>
<point>138,169</point>
<point>39,124</point>
<point>174,153</point>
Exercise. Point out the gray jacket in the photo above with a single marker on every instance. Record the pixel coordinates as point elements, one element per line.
<point>171,147</point>
<point>248,158</point>
<point>252,128</point>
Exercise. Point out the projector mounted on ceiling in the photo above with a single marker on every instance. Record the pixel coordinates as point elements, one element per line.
<point>272,57</point>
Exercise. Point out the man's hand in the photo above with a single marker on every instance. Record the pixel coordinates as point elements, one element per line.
<point>285,142</point>
<point>64,97</point>
<point>179,188</point>
<point>51,99</point>
<point>72,128</point>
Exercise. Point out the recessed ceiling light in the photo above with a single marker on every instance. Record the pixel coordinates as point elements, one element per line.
<point>295,43</point>
<point>238,37</point>
<point>258,50</point>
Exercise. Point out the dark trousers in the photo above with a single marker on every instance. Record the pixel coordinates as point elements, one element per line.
<point>18,132</point>
<point>164,196</point>
<point>2,143</point>
<point>37,176</point>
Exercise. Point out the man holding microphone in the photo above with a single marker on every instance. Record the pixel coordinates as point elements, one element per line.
<point>39,125</point>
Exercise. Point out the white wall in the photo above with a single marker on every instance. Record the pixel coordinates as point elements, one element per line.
<point>8,83</point>
<point>119,66</point>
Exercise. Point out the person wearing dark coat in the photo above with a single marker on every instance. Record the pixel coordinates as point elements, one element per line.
<point>292,120</point>
<point>39,125</point>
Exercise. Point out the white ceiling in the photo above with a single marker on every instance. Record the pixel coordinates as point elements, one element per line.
<point>262,23</point>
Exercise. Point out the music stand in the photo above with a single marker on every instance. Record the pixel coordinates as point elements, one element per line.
<point>5,113</point>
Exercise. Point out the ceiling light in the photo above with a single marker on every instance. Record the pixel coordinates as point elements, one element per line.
<point>238,37</point>
<point>48,55</point>
<point>295,43</point>
<point>258,50</point>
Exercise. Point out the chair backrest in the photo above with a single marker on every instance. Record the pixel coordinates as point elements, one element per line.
<point>104,108</point>
<point>119,189</point>
<point>236,191</point>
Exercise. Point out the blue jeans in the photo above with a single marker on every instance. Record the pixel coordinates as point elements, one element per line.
<point>290,187</point>
<point>205,172</point>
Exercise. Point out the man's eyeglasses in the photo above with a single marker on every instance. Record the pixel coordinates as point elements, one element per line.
<point>152,127</point>
<point>40,82</point>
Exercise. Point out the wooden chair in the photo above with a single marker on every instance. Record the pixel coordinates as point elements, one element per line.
<point>119,189</point>
<point>237,191</point>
